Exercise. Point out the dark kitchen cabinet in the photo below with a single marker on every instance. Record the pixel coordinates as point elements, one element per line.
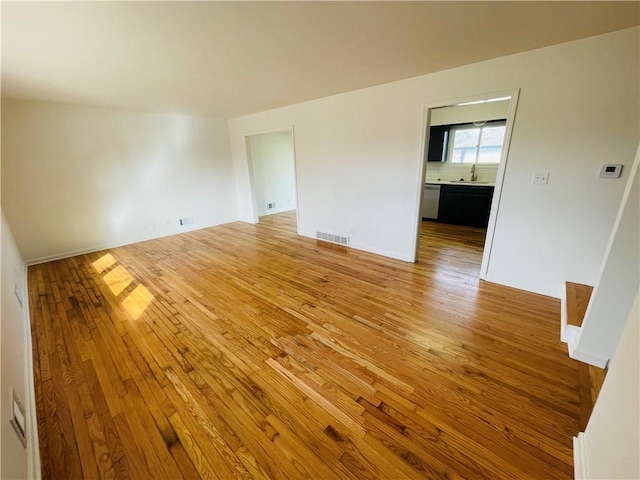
<point>465,205</point>
<point>438,141</point>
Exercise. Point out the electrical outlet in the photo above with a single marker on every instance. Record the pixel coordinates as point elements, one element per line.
<point>186,221</point>
<point>540,178</point>
<point>271,205</point>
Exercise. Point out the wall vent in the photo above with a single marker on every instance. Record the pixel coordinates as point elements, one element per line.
<point>332,238</point>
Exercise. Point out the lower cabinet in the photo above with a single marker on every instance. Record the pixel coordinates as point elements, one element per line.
<point>465,205</point>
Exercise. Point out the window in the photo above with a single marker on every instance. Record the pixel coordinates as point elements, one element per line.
<point>477,144</point>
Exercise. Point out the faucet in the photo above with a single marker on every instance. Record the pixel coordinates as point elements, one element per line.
<point>474,177</point>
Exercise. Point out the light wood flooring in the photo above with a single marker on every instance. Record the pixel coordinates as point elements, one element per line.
<point>245,351</point>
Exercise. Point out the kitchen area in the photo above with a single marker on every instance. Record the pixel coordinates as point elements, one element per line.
<point>458,203</point>
<point>463,155</point>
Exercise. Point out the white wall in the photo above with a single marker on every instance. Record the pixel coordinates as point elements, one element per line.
<point>610,444</point>
<point>80,178</point>
<point>15,356</point>
<point>274,177</point>
<point>358,157</point>
<point>618,283</point>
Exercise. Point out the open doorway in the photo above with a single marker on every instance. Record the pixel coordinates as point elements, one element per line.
<point>465,153</point>
<point>272,161</point>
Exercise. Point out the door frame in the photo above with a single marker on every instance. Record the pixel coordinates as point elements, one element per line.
<point>497,192</point>
<point>247,146</point>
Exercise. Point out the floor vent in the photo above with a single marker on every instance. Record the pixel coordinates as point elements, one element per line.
<point>330,237</point>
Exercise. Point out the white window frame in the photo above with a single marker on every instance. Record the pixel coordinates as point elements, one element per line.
<point>452,136</point>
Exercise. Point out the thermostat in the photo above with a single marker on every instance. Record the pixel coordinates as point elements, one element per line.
<point>610,171</point>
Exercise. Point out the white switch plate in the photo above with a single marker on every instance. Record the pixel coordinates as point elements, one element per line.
<point>18,420</point>
<point>540,178</point>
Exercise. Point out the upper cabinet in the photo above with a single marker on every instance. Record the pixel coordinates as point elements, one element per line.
<point>438,142</point>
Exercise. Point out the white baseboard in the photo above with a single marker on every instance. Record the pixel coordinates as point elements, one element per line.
<point>34,470</point>
<point>275,210</point>
<point>384,253</point>
<point>368,249</point>
<point>83,251</point>
<point>577,354</point>
<point>547,292</point>
<point>580,470</point>
<point>571,335</point>
<point>563,319</point>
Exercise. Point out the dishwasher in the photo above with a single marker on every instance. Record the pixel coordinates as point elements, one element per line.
<point>431,201</point>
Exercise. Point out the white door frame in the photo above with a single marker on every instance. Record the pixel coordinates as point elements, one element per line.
<point>247,146</point>
<point>497,193</point>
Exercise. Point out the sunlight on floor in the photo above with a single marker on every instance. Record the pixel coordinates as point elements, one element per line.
<point>137,301</point>
<point>118,279</point>
<point>104,262</point>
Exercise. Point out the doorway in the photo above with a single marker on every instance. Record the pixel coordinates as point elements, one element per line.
<point>465,152</point>
<point>271,158</point>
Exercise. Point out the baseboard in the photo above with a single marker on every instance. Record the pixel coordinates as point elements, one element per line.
<point>33,446</point>
<point>551,293</point>
<point>367,249</point>
<point>384,253</point>
<point>563,319</point>
<point>571,335</point>
<point>580,470</point>
<point>273,212</point>
<point>577,354</point>
<point>83,251</point>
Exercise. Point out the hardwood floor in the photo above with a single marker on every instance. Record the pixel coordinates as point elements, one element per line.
<point>245,351</point>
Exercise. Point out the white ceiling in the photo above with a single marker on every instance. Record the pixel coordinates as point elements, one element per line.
<point>225,59</point>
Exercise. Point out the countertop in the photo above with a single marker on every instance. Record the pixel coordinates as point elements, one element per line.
<point>458,182</point>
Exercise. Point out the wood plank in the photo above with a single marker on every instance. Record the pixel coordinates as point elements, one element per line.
<point>578,296</point>
<point>590,380</point>
<point>255,353</point>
